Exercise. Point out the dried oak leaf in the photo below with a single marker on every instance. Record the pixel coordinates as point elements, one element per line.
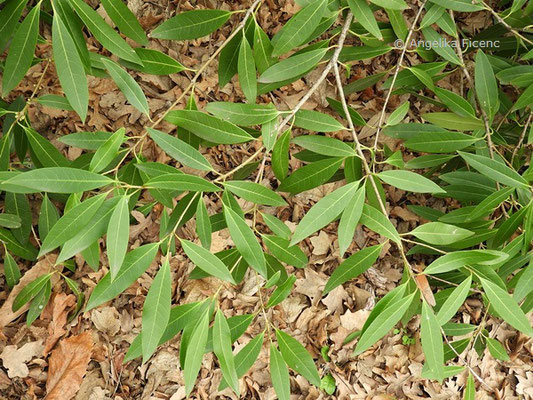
<point>61,305</point>
<point>14,359</point>
<point>67,366</point>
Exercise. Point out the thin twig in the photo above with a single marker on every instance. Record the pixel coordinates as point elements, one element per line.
<point>521,139</point>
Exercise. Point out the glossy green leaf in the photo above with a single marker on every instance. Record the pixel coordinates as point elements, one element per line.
<point>203,225</point>
<point>206,261</point>
<point>282,291</point>
<point>485,84</point>
<point>292,67</point>
<point>524,286</point>
<point>440,142</point>
<point>391,4</point>
<point>398,115</point>
<point>283,251</point>
<point>9,220</point>
<point>353,266</point>
<point>280,155</point>
<point>279,373</point>
<point>245,241</point>
<point>207,127</point>
<point>86,140</point>
<point>349,219</point>
<point>324,211</point>
<point>297,357</point>
<point>154,62</point>
<point>364,15</point>
<point>222,348</point>
<point>319,122</point>
<point>255,193</point>
<point>46,152</point>
<point>325,145</point>
<point>191,24</point>
<point>20,55</point>
<point>262,48</point>
<point>180,150</point>
<point>376,221</point>
<point>135,264</point>
<point>245,358</point>
<point>19,205</point>
<point>410,181</point>
<point>38,303</point>
<point>455,300</point>
<point>243,114</point>
<point>118,236</point>
<point>11,270</point>
<point>432,344</point>
<point>446,52</point>
<point>454,102</point>
<point>440,234</point>
<point>495,170</point>
<point>470,389</point>
<point>156,310</point>
<point>497,350</point>
<point>30,291</point>
<point>490,203</point>
<point>107,152</point>
<point>195,352</point>
<point>9,17</point>
<point>124,19</point>
<point>310,176</point>
<point>453,121</point>
<point>246,70</point>
<point>276,226</point>
<point>182,182</point>
<point>69,68</point>
<point>459,259</point>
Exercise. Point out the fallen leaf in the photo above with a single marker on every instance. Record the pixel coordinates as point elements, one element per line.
<point>15,360</point>
<point>67,366</point>
<point>62,303</point>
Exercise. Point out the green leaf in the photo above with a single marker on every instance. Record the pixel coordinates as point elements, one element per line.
<point>9,17</point>
<point>459,5</point>
<point>30,291</point>
<point>524,286</point>
<point>455,300</point>
<point>497,350</point>
<point>72,222</point>
<point>182,182</point>
<point>506,307</point>
<point>106,35</point>
<point>46,152</point>
<point>195,352</point>
<point>243,114</point>
<point>423,77</point>
<point>203,224</point>
<point>324,211</point>
<point>246,358</point>
<point>245,241</point>
<point>525,99</point>
<point>18,204</point>
<point>127,85</point>
<point>383,323</point>
<point>293,66</point>
<point>297,357</point>
<point>454,102</point>
<point>391,4</point>
<point>296,31</point>
<point>69,68</point>
<point>490,203</point>
<point>495,170</point>
<point>349,220</point>
<point>246,70</point>
<point>442,49</point>
<point>107,152</point>
<point>283,251</point>
<point>280,156</point>
<point>399,114</point>
<point>353,266</point>
<point>459,259</point>
<point>309,176</point>
<point>10,220</point>
<point>156,310</point>
<point>124,19</point>
<point>27,251</point>
<point>54,180</point>
<point>262,49</point>
<point>255,193</point>
<point>279,373</point>
<point>409,181</point>
<point>376,221</point>
<point>227,61</point>
<point>191,24</point>
<point>277,226</point>
<point>11,270</point>
<point>206,261</point>
<point>485,84</point>
<point>208,127</point>
<point>440,142</point>
<point>154,62</point>
<point>20,55</point>
<point>432,344</point>
<point>86,140</point>
<point>440,234</point>
<point>180,150</point>
<point>359,53</point>
<point>135,264</point>
<point>222,348</point>
<point>470,389</point>
<point>364,15</point>
<point>281,292</point>
<point>453,121</point>
<point>316,121</point>
<point>38,303</point>
<point>118,236</point>
<point>325,145</point>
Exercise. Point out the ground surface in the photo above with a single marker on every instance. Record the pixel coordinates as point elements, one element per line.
<point>389,370</point>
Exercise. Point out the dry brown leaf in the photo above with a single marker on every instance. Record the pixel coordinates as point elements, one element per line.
<point>15,360</point>
<point>67,366</point>
<point>62,303</point>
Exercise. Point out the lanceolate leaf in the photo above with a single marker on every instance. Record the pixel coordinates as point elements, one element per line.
<point>440,142</point>
<point>222,348</point>
<point>410,181</point>
<point>431,339</point>
<point>349,219</point>
<point>180,150</point>
<point>9,17</point>
<point>127,85</point>
<point>195,352</point>
<point>310,176</point>
<point>118,236</point>
<point>246,70</point>
<point>182,182</point>
<point>121,15</point>
<point>45,151</point>
<point>297,357</point>
<point>208,127</point>
<point>364,15</point>
<point>325,145</point>
<point>156,310</point>
<point>243,114</point>
<point>279,373</point>
<point>69,68</point>
<point>135,264</point>
<point>506,307</point>
<point>21,51</point>
<point>440,234</point>
<point>30,291</point>
<point>454,301</point>
<point>255,192</point>
<point>107,152</point>
<point>495,170</point>
<point>206,261</point>
<point>203,224</point>
<point>322,213</point>
<point>486,86</point>
<point>281,249</point>
<point>353,266</point>
<point>245,241</point>
<point>11,270</point>
<point>191,24</point>
<point>375,220</point>
<point>459,259</point>
<point>280,155</point>
<point>292,67</point>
